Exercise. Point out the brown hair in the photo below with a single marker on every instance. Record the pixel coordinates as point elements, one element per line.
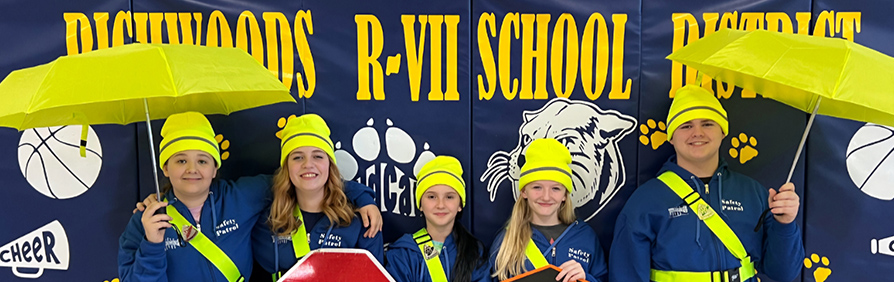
<point>335,204</point>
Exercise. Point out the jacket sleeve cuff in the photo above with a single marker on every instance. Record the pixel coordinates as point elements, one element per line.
<point>786,230</point>
<point>149,248</point>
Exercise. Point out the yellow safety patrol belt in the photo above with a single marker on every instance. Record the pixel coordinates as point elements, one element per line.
<point>534,255</point>
<point>431,255</point>
<point>299,237</point>
<point>207,248</point>
<point>716,224</point>
<point>300,244</point>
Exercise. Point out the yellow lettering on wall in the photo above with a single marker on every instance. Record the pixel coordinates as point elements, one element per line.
<point>559,52</point>
<point>510,26</point>
<point>224,38</point>
<point>824,22</point>
<point>304,19</point>
<point>119,27</point>
<point>530,53</point>
<point>848,22</point>
<point>803,19</point>
<point>171,20</point>
<point>780,22</point>
<point>186,25</point>
<point>279,41</point>
<point>155,20</point>
<point>77,26</point>
<point>248,31</point>
<point>184,28</point>
<point>434,93</point>
<point>452,91</point>
<point>141,29</point>
<point>620,24</point>
<point>414,54</point>
<point>595,26</point>
<point>370,43</point>
<point>487,28</point>
<point>752,21</point>
<point>102,30</point>
<point>684,23</point>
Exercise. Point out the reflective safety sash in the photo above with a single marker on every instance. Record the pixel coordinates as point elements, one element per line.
<point>716,224</point>
<point>534,255</point>
<point>207,248</point>
<point>299,237</point>
<point>300,243</point>
<point>431,256</point>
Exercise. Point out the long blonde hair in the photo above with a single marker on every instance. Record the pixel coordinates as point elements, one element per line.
<point>335,204</point>
<point>511,256</point>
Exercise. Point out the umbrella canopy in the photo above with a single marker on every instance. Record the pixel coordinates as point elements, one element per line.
<point>109,86</point>
<point>136,82</point>
<point>852,81</point>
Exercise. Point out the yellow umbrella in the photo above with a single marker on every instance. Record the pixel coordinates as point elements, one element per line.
<point>136,82</point>
<point>828,76</point>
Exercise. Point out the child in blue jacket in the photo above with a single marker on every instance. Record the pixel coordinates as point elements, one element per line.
<point>444,250</point>
<point>210,239</point>
<point>543,228</point>
<point>310,209</point>
<point>711,236</point>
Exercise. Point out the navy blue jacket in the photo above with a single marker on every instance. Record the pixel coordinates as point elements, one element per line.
<point>229,213</point>
<point>577,242</point>
<point>656,229</point>
<point>275,253</point>
<point>406,264</point>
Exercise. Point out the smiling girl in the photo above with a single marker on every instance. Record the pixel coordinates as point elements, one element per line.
<point>310,209</point>
<point>543,228</point>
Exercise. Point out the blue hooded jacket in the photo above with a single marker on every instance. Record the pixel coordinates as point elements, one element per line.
<point>578,242</point>
<point>229,212</point>
<point>656,229</point>
<point>406,264</point>
<point>275,253</point>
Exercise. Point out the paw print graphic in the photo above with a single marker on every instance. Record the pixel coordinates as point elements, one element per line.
<point>224,144</point>
<point>281,123</point>
<point>400,147</point>
<point>822,272</point>
<point>743,148</point>
<point>653,133</point>
<point>113,280</point>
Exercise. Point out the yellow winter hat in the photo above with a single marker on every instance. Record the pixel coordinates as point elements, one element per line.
<point>306,130</point>
<point>546,159</point>
<point>441,170</point>
<point>693,102</point>
<point>187,131</point>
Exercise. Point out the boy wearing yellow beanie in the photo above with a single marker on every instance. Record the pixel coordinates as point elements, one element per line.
<point>694,221</point>
<point>543,228</point>
<point>197,231</point>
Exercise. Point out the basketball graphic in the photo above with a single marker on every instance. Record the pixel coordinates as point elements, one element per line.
<point>870,160</point>
<point>50,160</point>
